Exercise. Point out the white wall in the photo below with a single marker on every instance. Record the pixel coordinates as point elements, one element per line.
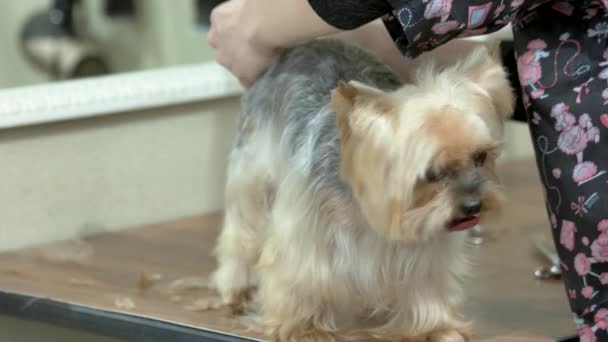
<point>14,69</point>
<point>164,33</point>
<point>518,144</point>
<point>62,180</point>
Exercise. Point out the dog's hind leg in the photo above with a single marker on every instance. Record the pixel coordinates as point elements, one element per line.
<point>235,253</point>
<point>248,198</point>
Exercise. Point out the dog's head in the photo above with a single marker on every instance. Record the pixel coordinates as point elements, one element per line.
<point>421,159</point>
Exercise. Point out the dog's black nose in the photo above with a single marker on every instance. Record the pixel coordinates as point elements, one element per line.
<point>471,207</point>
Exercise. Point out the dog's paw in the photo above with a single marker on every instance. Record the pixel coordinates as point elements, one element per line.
<point>205,304</point>
<point>233,281</point>
<point>452,334</point>
<point>241,301</point>
<point>447,336</point>
<point>310,336</point>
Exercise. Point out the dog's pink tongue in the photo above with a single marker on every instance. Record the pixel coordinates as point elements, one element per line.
<point>462,224</point>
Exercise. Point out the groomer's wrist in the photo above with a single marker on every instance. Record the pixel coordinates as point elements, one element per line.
<point>286,23</point>
<point>261,26</point>
<point>268,35</point>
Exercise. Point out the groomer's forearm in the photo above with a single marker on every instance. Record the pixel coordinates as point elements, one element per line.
<point>375,38</point>
<point>285,23</point>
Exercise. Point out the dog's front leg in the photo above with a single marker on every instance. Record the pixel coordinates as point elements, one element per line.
<point>295,301</point>
<point>424,320</point>
<point>292,315</point>
<point>450,331</point>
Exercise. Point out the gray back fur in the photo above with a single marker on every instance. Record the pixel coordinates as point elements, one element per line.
<point>292,98</point>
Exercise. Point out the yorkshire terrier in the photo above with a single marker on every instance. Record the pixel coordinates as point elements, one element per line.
<point>347,190</point>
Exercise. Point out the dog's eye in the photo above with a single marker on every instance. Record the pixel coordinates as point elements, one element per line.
<point>434,176</point>
<point>480,158</point>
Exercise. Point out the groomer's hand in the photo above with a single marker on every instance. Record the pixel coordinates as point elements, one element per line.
<point>234,33</point>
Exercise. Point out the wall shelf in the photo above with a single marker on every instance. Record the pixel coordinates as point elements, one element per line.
<point>77,99</point>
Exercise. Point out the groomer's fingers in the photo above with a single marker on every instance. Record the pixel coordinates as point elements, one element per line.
<point>212,34</point>
<point>211,38</point>
<point>245,82</point>
<point>224,61</point>
<point>234,50</point>
<point>243,75</point>
<point>215,19</point>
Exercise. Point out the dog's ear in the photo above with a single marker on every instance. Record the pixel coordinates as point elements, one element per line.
<point>343,98</point>
<point>343,102</point>
<point>485,68</point>
<point>348,96</point>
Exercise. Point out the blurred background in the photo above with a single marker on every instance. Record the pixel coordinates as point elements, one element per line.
<point>159,156</point>
<point>48,40</point>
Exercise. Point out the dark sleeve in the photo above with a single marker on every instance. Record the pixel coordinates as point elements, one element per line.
<point>350,14</point>
<point>510,63</point>
<point>417,26</point>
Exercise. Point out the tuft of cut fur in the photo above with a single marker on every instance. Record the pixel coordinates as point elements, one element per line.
<point>341,184</point>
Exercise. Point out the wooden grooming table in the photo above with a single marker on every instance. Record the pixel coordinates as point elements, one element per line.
<point>119,284</point>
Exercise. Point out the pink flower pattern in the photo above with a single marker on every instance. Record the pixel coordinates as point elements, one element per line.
<point>602,225</point>
<point>437,9</point>
<point>601,318</point>
<point>604,117</point>
<point>582,264</point>
<point>556,173</point>
<point>529,67</point>
<point>599,248</point>
<point>445,27</point>
<point>574,138</point>
<point>587,291</point>
<point>604,278</point>
<point>586,334</point>
<point>567,235</point>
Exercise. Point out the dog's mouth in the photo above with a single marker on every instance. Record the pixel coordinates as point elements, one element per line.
<point>463,223</point>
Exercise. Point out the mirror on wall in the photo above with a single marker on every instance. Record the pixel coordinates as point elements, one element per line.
<point>53,40</point>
